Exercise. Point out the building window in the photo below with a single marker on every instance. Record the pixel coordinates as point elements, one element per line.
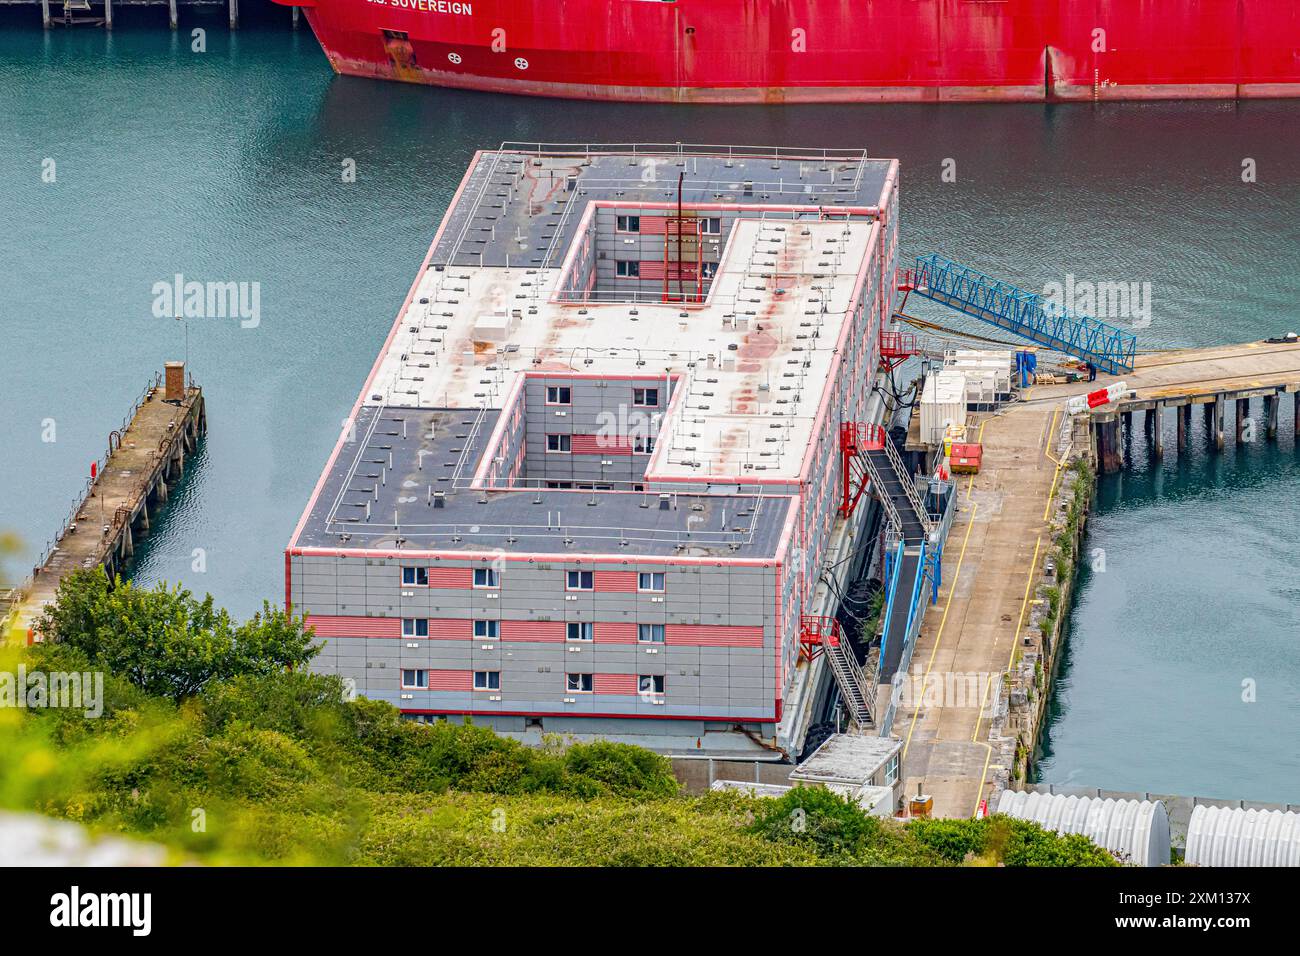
<point>486,628</point>
<point>578,581</point>
<point>417,680</point>
<point>557,444</point>
<point>650,633</point>
<point>645,397</point>
<point>650,581</point>
<point>560,485</point>
<point>559,395</point>
<point>415,627</point>
<point>891,771</point>
<point>711,226</point>
<point>486,578</point>
<point>575,631</point>
<point>487,680</point>
<point>650,684</point>
<point>628,224</point>
<point>643,446</point>
<point>708,269</point>
<point>627,269</point>
<point>578,683</point>
<point>418,576</point>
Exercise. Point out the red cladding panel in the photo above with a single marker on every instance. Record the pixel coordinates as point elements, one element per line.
<point>600,445</point>
<point>615,684</point>
<point>450,629</point>
<point>624,581</point>
<point>451,680</point>
<point>611,633</point>
<point>327,626</point>
<point>715,635</point>
<point>542,631</point>
<point>451,577</point>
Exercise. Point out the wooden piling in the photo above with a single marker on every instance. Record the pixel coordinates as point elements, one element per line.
<point>1243,413</point>
<point>1157,436</point>
<point>1296,426</point>
<point>295,18</point>
<point>45,13</point>
<point>108,14</point>
<point>171,12</point>
<point>234,14</point>
<point>1216,417</point>
<point>1270,415</point>
<point>1184,416</point>
<point>1109,449</point>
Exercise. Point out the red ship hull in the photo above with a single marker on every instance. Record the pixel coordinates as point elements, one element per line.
<point>779,51</point>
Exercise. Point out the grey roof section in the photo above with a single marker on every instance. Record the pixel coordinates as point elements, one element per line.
<point>847,759</point>
<point>382,493</point>
<point>526,205</point>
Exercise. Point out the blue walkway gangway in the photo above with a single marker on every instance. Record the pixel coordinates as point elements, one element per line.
<point>1027,314</point>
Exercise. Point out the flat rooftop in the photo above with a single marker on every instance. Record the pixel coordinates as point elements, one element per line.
<point>404,483</point>
<point>751,362</point>
<point>847,759</point>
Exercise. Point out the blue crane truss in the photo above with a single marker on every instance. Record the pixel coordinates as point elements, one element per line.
<point>1026,314</point>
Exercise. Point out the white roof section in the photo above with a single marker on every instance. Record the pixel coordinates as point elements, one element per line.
<point>771,323</point>
<point>1234,836</point>
<point>1136,831</point>
<point>851,759</point>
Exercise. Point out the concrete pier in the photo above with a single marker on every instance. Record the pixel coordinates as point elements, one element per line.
<point>123,500</point>
<point>992,628</point>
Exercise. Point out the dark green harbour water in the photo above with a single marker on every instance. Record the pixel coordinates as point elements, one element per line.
<point>227,166</point>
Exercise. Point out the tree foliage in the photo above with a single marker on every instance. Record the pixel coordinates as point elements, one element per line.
<point>166,641</point>
<point>217,743</point>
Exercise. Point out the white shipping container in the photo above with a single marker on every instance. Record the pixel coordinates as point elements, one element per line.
<point>984,370</point>
<point>943,403</point>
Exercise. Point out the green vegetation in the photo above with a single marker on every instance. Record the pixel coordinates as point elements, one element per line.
<point>215,742</point>
<point>1066,540</point>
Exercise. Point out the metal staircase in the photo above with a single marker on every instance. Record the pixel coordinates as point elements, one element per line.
<point>1026,314</point>
<point>894,485</point>
<point>822,635</point>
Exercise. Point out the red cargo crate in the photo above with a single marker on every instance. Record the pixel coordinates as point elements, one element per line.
<point>965,459</point>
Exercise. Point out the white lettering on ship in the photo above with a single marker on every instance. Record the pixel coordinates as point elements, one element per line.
<point>429,6</point>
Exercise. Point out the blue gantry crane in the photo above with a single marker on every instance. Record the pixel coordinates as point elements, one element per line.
<point>1027,314</point>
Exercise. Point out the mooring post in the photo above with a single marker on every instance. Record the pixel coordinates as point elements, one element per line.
<point>234,14</point>
<point>1109,451</point>
<point>171,12</point>
<point>1243,413</point>
<point>45,13</point>
<point>1270,415</point>
<point>108,14</point>
<point>1217,418</point>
